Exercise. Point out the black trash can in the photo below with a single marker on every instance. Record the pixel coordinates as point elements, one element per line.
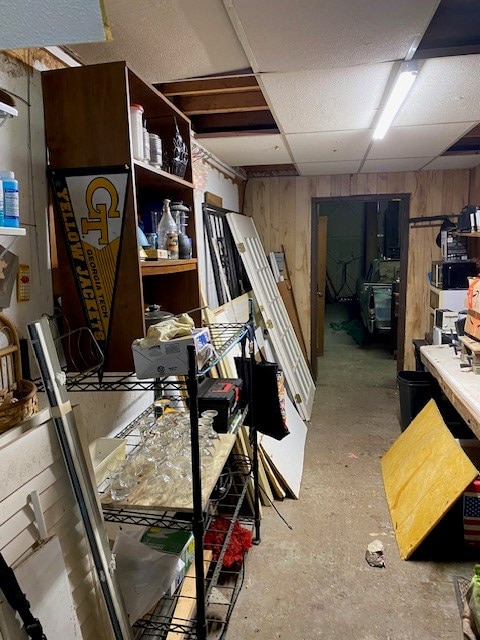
<point>415,389</point>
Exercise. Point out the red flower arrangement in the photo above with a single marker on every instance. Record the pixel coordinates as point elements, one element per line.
<point>238,545</point>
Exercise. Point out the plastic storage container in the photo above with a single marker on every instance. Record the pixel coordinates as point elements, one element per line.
<point>136,125</point>
<point>11,208</point>
<point>415,389</point>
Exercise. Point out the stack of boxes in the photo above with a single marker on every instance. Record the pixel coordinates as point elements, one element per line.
<point>472,323</point>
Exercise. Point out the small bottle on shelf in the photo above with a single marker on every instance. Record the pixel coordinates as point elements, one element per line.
<point>167,231</point>
<point>11,209</point>
<point>184,242</point>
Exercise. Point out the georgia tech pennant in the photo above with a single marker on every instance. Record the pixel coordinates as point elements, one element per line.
<point>91,209</point>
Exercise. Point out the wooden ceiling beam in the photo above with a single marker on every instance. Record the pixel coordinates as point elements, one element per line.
<point>447,51</point>
<point>470,143</point>
<point>464,151</point>
<point>208,87</point>
<point>253,121</point>
<point>222,103</point>
<point>260,170</point>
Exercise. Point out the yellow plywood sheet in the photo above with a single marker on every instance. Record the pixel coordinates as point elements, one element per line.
<point>424,473</point>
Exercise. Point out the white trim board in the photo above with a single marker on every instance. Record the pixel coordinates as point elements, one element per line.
<point>274,313</point>
<point>286,455</point>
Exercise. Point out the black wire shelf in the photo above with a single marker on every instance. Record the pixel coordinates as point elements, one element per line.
<point>223,337</point>
<point>223,585</point>
<point>224,508</point>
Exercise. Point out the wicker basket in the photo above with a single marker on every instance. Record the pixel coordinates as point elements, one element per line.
<point>18,397</point>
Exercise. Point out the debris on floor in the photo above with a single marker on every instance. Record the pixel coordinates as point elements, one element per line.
<point>375,555</point>
<point>354,329</point>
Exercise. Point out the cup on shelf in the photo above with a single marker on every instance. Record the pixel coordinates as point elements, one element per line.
<point>155,150</point>
<point>122,482</point>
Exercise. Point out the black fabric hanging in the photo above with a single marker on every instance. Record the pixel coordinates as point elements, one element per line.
<point>18,601</point>
<point>269,415</point>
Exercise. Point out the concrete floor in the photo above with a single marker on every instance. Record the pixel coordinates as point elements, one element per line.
<point>314,582</point>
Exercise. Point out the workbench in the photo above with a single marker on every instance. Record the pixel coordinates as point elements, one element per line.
<point>461,386</point>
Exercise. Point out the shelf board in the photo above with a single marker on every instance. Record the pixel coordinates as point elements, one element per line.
<point>163,267</point>
<point>148,177</point>
<point>12,231</point>
<point>143,498</point>
<point>468,234</point>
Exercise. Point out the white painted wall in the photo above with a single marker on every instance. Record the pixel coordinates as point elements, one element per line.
<point>17,136</point>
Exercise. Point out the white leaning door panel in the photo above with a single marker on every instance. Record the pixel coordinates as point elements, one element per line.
<point>274,313</point>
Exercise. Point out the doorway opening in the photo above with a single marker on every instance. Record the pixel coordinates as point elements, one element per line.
<point>359,268</point>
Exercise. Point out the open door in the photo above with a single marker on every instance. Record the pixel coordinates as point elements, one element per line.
<point>321,282</point>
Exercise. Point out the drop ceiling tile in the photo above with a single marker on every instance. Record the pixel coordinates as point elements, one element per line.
<point>413,142</point>
<point>312,35</point>
<point>238,151</point>
<point>394,164</point>
<point>327,168</point>
<point>169,40</point>
<point>330,146</point>
<point>50,22</point>
<point>327,100</point>
<point>454,162</point>
<point>446,90</point>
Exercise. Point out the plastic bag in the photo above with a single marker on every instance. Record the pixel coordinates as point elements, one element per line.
<point>144,575</point>
<point>473,597</point>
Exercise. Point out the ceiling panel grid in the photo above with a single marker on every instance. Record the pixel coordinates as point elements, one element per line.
<point>317,35</point>
<point>326,100</point>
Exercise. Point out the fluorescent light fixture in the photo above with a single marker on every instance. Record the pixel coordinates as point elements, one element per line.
<point>403,83</point>
<point>7,110</point>
<point>62,55</point>
<point>7,107</point>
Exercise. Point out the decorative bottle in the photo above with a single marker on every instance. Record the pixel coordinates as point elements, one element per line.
<point>184,242</point>
<point>167,230</point>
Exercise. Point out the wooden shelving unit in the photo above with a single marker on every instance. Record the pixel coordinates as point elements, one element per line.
<point>158,267</point>
<point>150,177</point>
<point>468,234</point>
<point>87,127</point>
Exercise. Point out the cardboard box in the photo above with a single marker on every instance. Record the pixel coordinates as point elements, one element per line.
<point>472,324</point>
<point>473,296</point>
<point>471,496</point>
<point>174,541</point>
<point>155,254</point>
<point>168,358</point>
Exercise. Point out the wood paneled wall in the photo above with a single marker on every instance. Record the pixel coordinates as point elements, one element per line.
<point>281,208</point>
<point>475,186</point>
